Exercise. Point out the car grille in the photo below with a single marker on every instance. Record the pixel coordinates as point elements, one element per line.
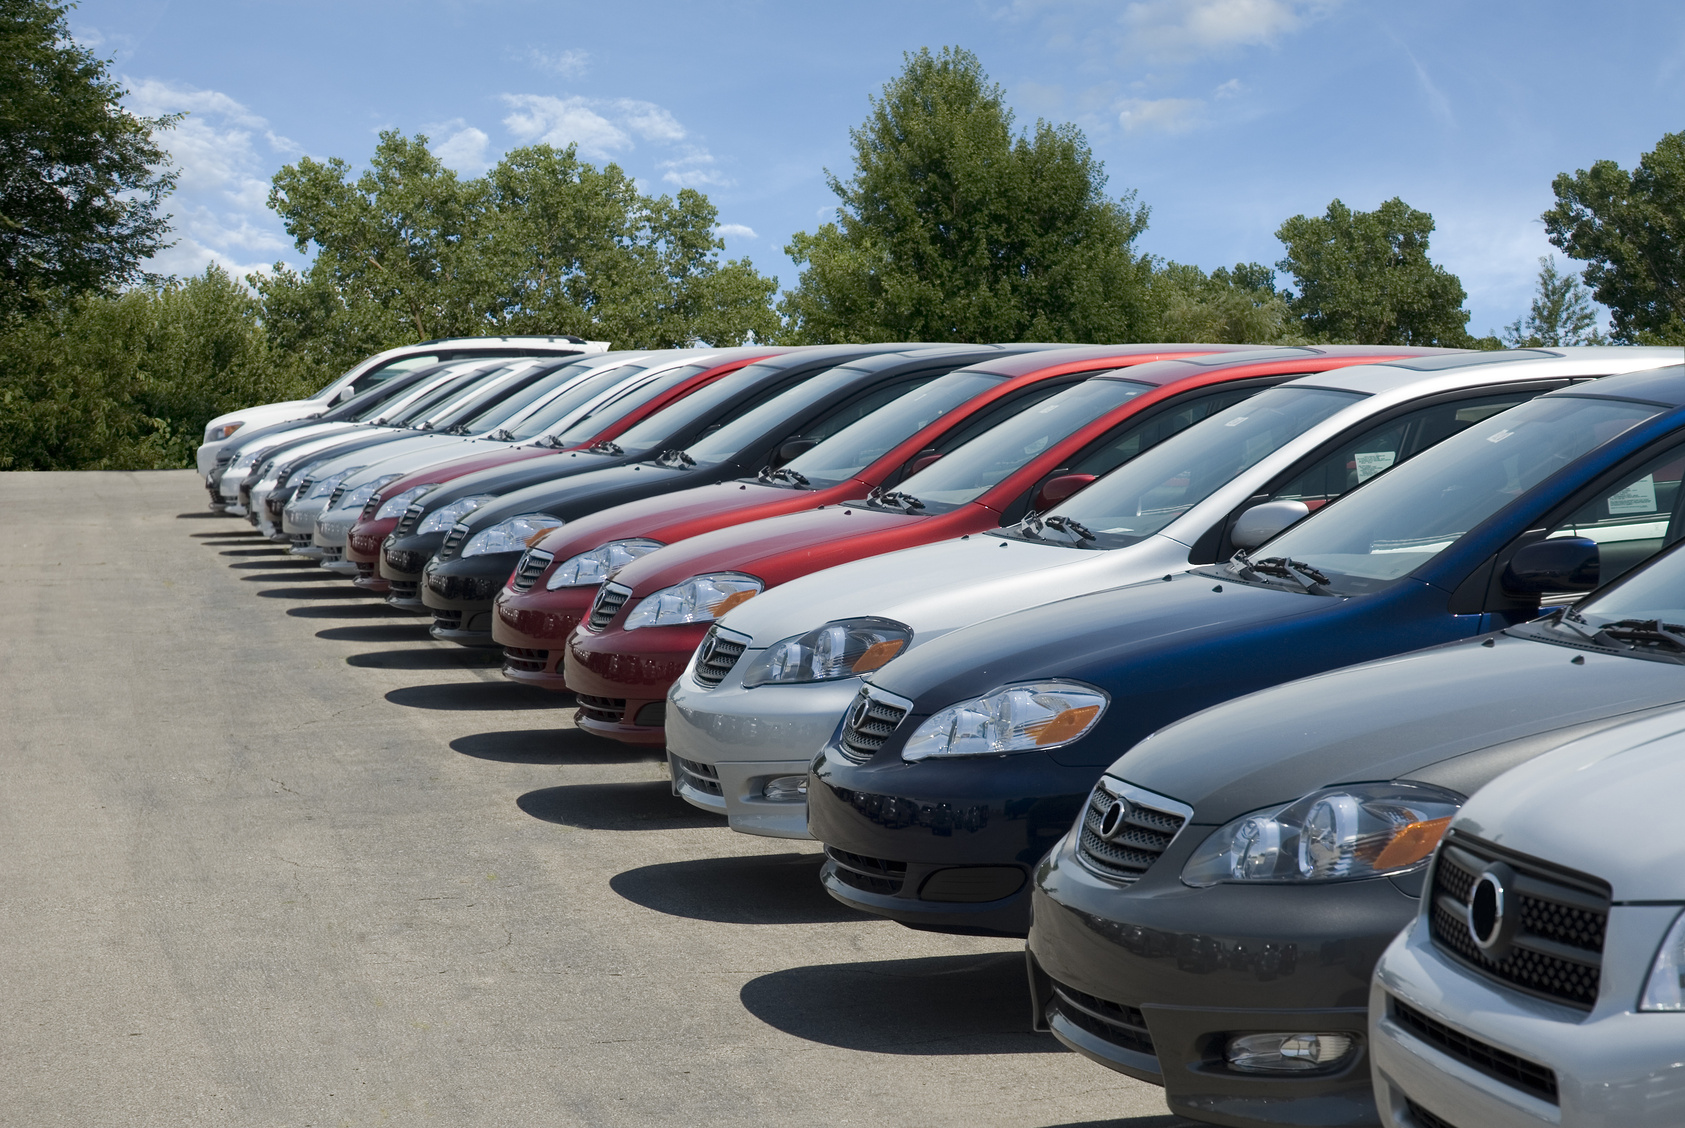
<point>524,660</point>
<point>447,620</point>
<point>1538,1080</point>
<point>304,485</point>
<point>402,589</point>
<point>299,540</point>
<point>699,777</point>
<point>276,506</point>
<point>365,570</point>
<point>603,710</point>
<point>610,599</point>
<point>333,498</point>
<point>868,726</point>
<point>1557,950</point>
<point>453,541</point>
<point>410,519</point>
<point>718,653</point>
<point>869,875</point>
<point>408,562</point>
<point>370,507</point>
<point>1141,830</point>
<point>245,496</point>
<point>532,565</point>
<point>333,554</point>
<point>1422,1118</point>
<point>1121,1025</point>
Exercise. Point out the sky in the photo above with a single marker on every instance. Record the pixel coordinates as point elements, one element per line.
<point>1225,117</point>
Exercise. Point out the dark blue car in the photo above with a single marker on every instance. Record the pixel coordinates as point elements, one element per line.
<point>959,765</point>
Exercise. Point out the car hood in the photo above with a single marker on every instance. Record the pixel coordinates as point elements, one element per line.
<point>940,587</point>
<point>1419,715</point>
<point>1607,805</point>
<point>506,475</point>
<point>417,452</point>
<point>292,436</point>
<point>667,517</point>
<point>267,414</point>
<point>571,496</point>
<point>297,453</point>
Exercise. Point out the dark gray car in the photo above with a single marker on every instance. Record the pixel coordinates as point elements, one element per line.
<point>1298,821</point>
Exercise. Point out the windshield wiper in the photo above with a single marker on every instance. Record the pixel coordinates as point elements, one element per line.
<point>783,474</point>
<point>893,499</point>
<point>676,459</point>
<point>603,446</point>
<point>1652,631</point>
<point>501,435</point>
<point>1069,525</point>
<point>1284,568</point>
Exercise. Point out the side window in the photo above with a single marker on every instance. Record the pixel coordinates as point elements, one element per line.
<point>1387,444</point>
<point>1127,442</point>
<point>1635,520</point>
<point>999,413</point>
<point>396,368</point>
<point>736,411</point>
<point>862,406</point>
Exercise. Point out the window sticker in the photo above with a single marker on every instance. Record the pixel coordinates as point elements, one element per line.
<point>1640,497</point>
<point>1372,463</point>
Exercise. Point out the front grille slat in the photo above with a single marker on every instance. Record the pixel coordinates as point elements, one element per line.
<point>1121,1025</point>
<point>1146,826</point>
<point>1531,1077</point>
<point>866,729</point>
<point>721,652</point>
<point>525,660</point>
<point>869,875</point>
<point>532,565</point>
<point>1557,950</point>
<point>699,776</point>
<point>410,519</point>
<point>1425,1119</point>
<point>453,541</point>
<point>610,599</point>
<point>604,710</point>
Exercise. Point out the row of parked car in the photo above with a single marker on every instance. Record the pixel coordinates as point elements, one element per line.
<point>1312,711</point>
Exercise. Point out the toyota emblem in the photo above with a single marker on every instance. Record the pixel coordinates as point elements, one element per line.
<point>1112,821</point>
<point>1489,921</point>
<point>857,715</point>
<point>706,654</point>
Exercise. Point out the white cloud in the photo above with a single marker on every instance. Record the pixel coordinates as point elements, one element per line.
<point>696,169</point>
<point>1161,115</point>
<point>568,64</point>
<point>542,118</point>
<point>1230,89</point>
<point>463,147</point>
<point>1182,30</point>
<point>219,209</point>
<point>736,231</point>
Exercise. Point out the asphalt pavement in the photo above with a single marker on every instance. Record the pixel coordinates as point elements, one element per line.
<point>273,856</point>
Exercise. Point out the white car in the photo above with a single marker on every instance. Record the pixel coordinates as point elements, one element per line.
<point>1544,981</point>
<point>381,366</point>
<point>747,734</point>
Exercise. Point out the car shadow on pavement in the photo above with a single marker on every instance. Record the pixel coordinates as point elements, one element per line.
<point>346,592</point>
<point>370,610</point>
<point>549,746</point>
<point>476,695</point>
<point>430,658</point>
<point>292,577</point>
<point>416,629</point>
<point>245,533</point>
<point>972,1004</point>
<point>615,806</point>
<point>268,545</point>
<point>274,550</point>
<point>759,889</point>
<point>296,563</point>
<point>199,514</point>
<point>1134,1122</point>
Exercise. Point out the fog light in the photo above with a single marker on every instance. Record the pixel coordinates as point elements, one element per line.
<point>785,789</point>
<point>1288,1053</point>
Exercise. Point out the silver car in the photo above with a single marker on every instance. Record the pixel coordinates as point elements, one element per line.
<point>1544,981</point>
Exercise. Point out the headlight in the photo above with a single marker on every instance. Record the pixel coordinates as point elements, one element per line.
<point>511,535</point>
<point>589,569</point>
<point>322,487</point>
<point>843,649</point>
<point>221,431</point>
<point>443,518</point>
<point>700,599</point>
<point>1336,834</point>
<point>359,497</point>
<point>395,506</point>
<point>1665,989</point>
<point>1015,718</point>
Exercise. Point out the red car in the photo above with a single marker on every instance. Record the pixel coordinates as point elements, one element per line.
<point>534,619</point>
<point>638,403</point>
<point>646,623</point>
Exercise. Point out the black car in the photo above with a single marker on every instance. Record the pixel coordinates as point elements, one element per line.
<point>966,759</point>
<point>1272,847</point>
<point>481,551</point>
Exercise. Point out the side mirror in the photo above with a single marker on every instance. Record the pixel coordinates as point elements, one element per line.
<point>922,461</point>
<point>1055,490</point>
<point>1559,564</point>
<point>790,448</point>
<point>1264,521</point>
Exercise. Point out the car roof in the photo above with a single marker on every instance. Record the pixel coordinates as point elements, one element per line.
<point>1461,369</point>
<point>1025,364</point>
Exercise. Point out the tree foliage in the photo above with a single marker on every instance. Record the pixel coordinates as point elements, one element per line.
<point>80,177</point>
<point>1561,313</point>
<point>1228,306</point>
<point>1628,227</point>
<point>954,227</point>
<point>1365,278</point>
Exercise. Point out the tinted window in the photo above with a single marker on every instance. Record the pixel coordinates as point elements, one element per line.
<point>719,403</point>
<point>1633,521</point>
<point>390,369</point>
<point>626,400</point>
<point>786,409</point>
<point>570,401</point>
<point>524,400</point>
<point>855,444</point>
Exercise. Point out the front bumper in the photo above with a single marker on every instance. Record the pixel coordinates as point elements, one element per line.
<point>1153,979</point>
<point>1614,1067</point>
<point>946,846</point>
<point>333,530</point>
<point>533,629</point>
<point>362,549</point>
<point>459,593</point>
<point>622,677</point>
<point>403,560</point>
<point>747,736</point>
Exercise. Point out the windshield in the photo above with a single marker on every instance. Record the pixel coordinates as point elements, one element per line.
<point>1144,495</point>
<point>549,414</point>
<point>864,441</point>
<point>486,396</point>
<point>987,460</point>
<point>463,380</point>
<point>1405,518</point>
<point>401,404</point>
<point>626,400</point>
<point>514,406</point>
<point>784,408</point>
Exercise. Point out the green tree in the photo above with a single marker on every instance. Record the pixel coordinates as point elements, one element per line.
<point>1560,314</point>
<point>954,227</point>
<point>1365,278</point>
<point>1629,227</point>
<point>1238,306</point>
<point>81,179</point>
